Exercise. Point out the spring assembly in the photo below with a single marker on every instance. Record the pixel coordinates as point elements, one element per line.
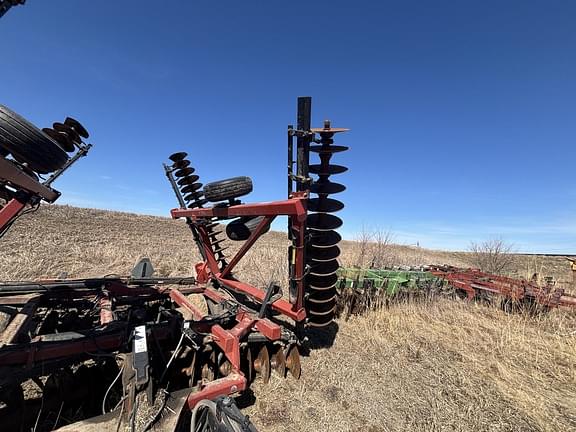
<point>323,251</point>
<point>193,196</point>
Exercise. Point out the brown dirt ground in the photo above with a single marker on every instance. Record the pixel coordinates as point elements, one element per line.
<point>437,366</point>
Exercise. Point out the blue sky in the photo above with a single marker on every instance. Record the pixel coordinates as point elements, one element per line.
<point>463,114</point>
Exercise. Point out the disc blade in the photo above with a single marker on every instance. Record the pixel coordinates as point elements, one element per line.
<point>184,172</point>
<point>61,138</point>
<point>262,364</point>
<point>323,268</point>
<point>323,204</point>
<point>181,164</point>
<point>81,130</point>
<point>327,188</point>
<point>321,281</point>
<point>191,187</point>
<point>324,308</point>
<point>198,203</point>
<point>323,254</point>
<point>323,221</point>
<point>328,149</point>
<point>187,180</point>
<point>293,362</point>
<point>320,169</point>
<point>321,296</point>
<point>192,197</point>
<point>72,134</point>
<point>278,362</point>
<point>175,157</point>
<point>320,321</point>
<point>246,364</point>
<point>329,130</point>
<point>324,238</point>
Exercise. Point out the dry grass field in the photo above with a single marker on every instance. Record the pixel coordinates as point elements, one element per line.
<point>437,366</point>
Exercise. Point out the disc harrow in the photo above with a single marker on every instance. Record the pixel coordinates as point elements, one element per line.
<point>143,336</point>
<point>322,252</point>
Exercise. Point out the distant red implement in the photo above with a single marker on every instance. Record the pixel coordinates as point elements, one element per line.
<point>476,284</point>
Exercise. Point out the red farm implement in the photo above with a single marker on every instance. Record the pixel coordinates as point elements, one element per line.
<point>140,350</point>
<point>475,284</point>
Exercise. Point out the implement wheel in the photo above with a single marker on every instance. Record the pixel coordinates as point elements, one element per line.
<point>228,189</point>
<point>28,144</point>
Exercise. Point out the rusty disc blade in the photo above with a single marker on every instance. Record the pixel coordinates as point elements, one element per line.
<point>175,157</point>
<point>72,134</point>
<point>323,221</point>
<point>61,138</point>
<point>329,130</point>
<point>323,204</point>
<point>325,188</point>
<point>321,169</point>
<point>323,254</point>
<point>262,364</point>
<point>328,148</point>
<point>77,126</point>
<point>184,172</point>
<point>246,364</point>
<point>324,238</point>
<point>293,362</point>
<point>278,362</point>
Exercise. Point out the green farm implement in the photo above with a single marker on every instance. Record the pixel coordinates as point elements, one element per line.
<point>363,289</point>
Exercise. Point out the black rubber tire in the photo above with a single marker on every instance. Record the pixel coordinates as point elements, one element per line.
<point>240,229</point>
<point>28,144</point>
<point>228,189</point>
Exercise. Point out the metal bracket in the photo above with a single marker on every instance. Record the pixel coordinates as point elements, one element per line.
<point>10,173</point>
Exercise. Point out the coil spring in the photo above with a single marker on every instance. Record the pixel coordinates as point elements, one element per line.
<point>191,190</point>
<point>68,134</point>
<point>322,251</point>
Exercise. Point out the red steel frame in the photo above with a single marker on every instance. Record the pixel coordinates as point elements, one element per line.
<point>294,207</point>
<point>229,340</point>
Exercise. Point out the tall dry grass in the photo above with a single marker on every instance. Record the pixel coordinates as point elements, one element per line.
<point>440,365</point>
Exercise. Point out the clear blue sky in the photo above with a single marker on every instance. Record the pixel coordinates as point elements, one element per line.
<point>463,113</point>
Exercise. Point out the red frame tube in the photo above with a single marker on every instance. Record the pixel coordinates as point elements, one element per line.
<point>9,212</point>
<point>233,383</point>
<point>294,208</point>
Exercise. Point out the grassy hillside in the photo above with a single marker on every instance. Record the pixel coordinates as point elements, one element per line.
<point>431,366</point>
